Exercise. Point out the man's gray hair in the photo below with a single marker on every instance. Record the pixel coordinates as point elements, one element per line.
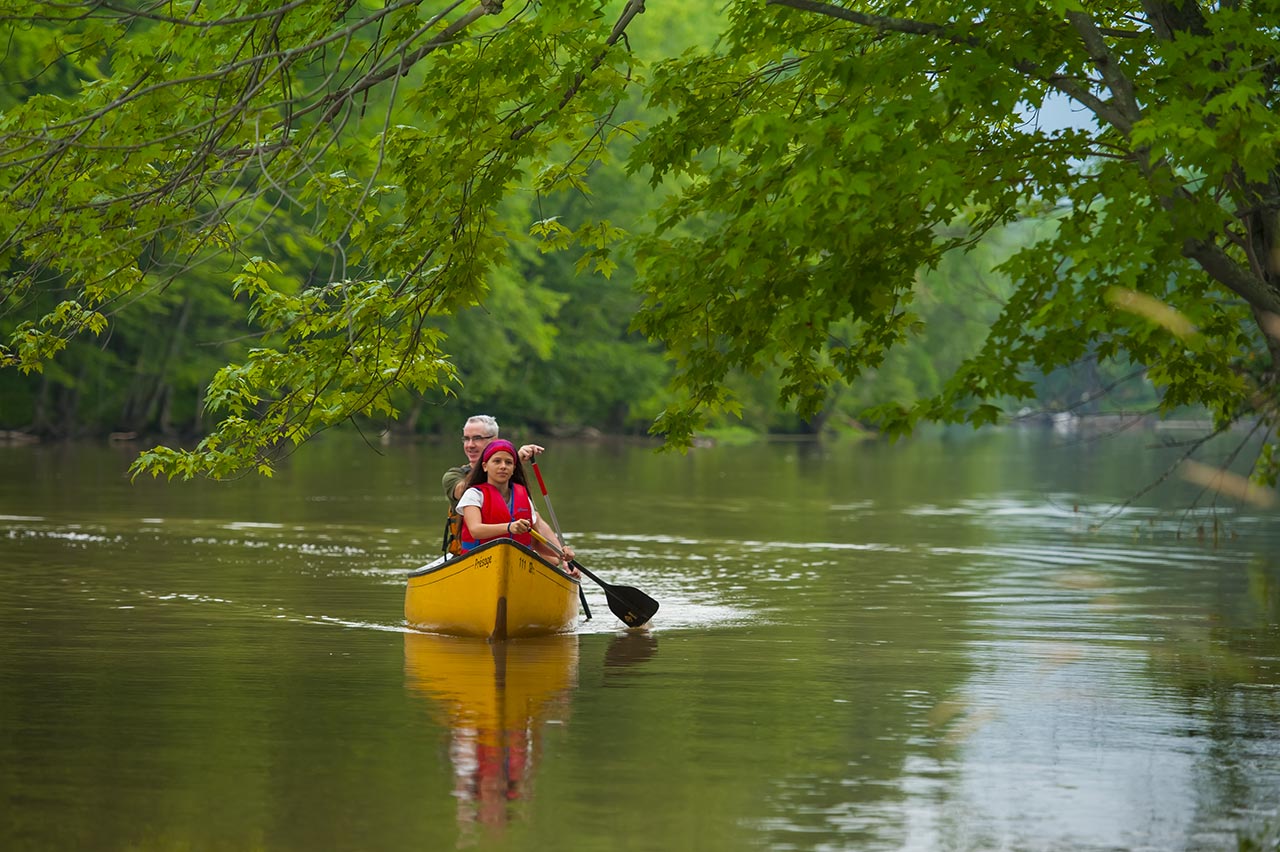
<point>484,420</point>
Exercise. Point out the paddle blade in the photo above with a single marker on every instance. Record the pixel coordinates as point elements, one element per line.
<point>631,605</point>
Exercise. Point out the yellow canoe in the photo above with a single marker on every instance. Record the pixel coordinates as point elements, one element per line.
<point>501,590</point>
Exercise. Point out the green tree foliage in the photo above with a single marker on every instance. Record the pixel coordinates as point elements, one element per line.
<point>830,151</point>
<point>195,124</point>
<point>814,164</point>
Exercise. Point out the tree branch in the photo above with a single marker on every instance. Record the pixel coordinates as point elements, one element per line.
<point>951,34</point>
<point>633,8</point>
<point>1167,19</point>
<point>882,23</point>
<point>408,60</point>
<point>1128,111</point>
<point>1232,275</point>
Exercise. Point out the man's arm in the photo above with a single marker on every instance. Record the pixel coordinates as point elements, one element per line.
<point>454,483</point>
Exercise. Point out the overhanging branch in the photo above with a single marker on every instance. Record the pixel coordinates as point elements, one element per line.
<point>952,35</point>
<point>1232,275</point>
<point>633,8</point>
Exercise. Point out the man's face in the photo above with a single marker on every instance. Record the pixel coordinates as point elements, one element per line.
<point>474,440</point>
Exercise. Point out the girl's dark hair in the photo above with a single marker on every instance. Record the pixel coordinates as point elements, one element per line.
<point>478,475</point>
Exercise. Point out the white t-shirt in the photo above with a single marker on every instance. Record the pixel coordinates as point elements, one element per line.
<point>475,497</point>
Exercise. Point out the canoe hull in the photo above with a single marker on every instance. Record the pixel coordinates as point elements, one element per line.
<point>501,590</point>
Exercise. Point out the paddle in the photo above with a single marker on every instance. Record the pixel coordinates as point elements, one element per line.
<point>633,606</point>
<point>551,510</point>
<point>555,525</point>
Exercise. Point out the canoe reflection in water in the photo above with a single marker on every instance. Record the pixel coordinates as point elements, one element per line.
<point>496,698</point>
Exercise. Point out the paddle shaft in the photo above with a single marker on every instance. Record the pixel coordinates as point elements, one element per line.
<point>551,510</point>
<point>551,544</point>
<point>575,563</point>
<point>555,524</point>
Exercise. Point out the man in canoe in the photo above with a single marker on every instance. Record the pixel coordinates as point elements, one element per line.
<point>496,504</point>
<point>477,432</point>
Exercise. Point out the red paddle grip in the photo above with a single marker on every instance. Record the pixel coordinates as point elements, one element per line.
<point>538,474</point>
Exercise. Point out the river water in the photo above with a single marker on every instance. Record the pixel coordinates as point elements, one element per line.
<point>959,642</point>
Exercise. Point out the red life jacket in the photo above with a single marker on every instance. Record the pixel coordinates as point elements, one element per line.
<point>494,511</point>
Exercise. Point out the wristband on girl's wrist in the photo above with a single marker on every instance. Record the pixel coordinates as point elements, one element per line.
<point>508,527</point>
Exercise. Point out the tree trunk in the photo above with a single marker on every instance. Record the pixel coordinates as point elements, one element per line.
<point>158,406</point>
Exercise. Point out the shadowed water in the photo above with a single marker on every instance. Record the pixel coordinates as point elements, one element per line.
<point>942,644</point>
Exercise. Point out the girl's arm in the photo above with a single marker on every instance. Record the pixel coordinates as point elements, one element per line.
<point>479,530</point>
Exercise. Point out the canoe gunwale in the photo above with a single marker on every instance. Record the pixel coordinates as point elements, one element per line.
<point>447,562</point>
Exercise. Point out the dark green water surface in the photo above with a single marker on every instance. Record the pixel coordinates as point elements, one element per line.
<point>926,645</point>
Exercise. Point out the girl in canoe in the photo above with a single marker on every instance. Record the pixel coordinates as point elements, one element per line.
<point>496,504</point>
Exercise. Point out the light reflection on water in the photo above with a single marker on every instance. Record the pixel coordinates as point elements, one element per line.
<point>1058,738</point>
<point>949,671</point>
